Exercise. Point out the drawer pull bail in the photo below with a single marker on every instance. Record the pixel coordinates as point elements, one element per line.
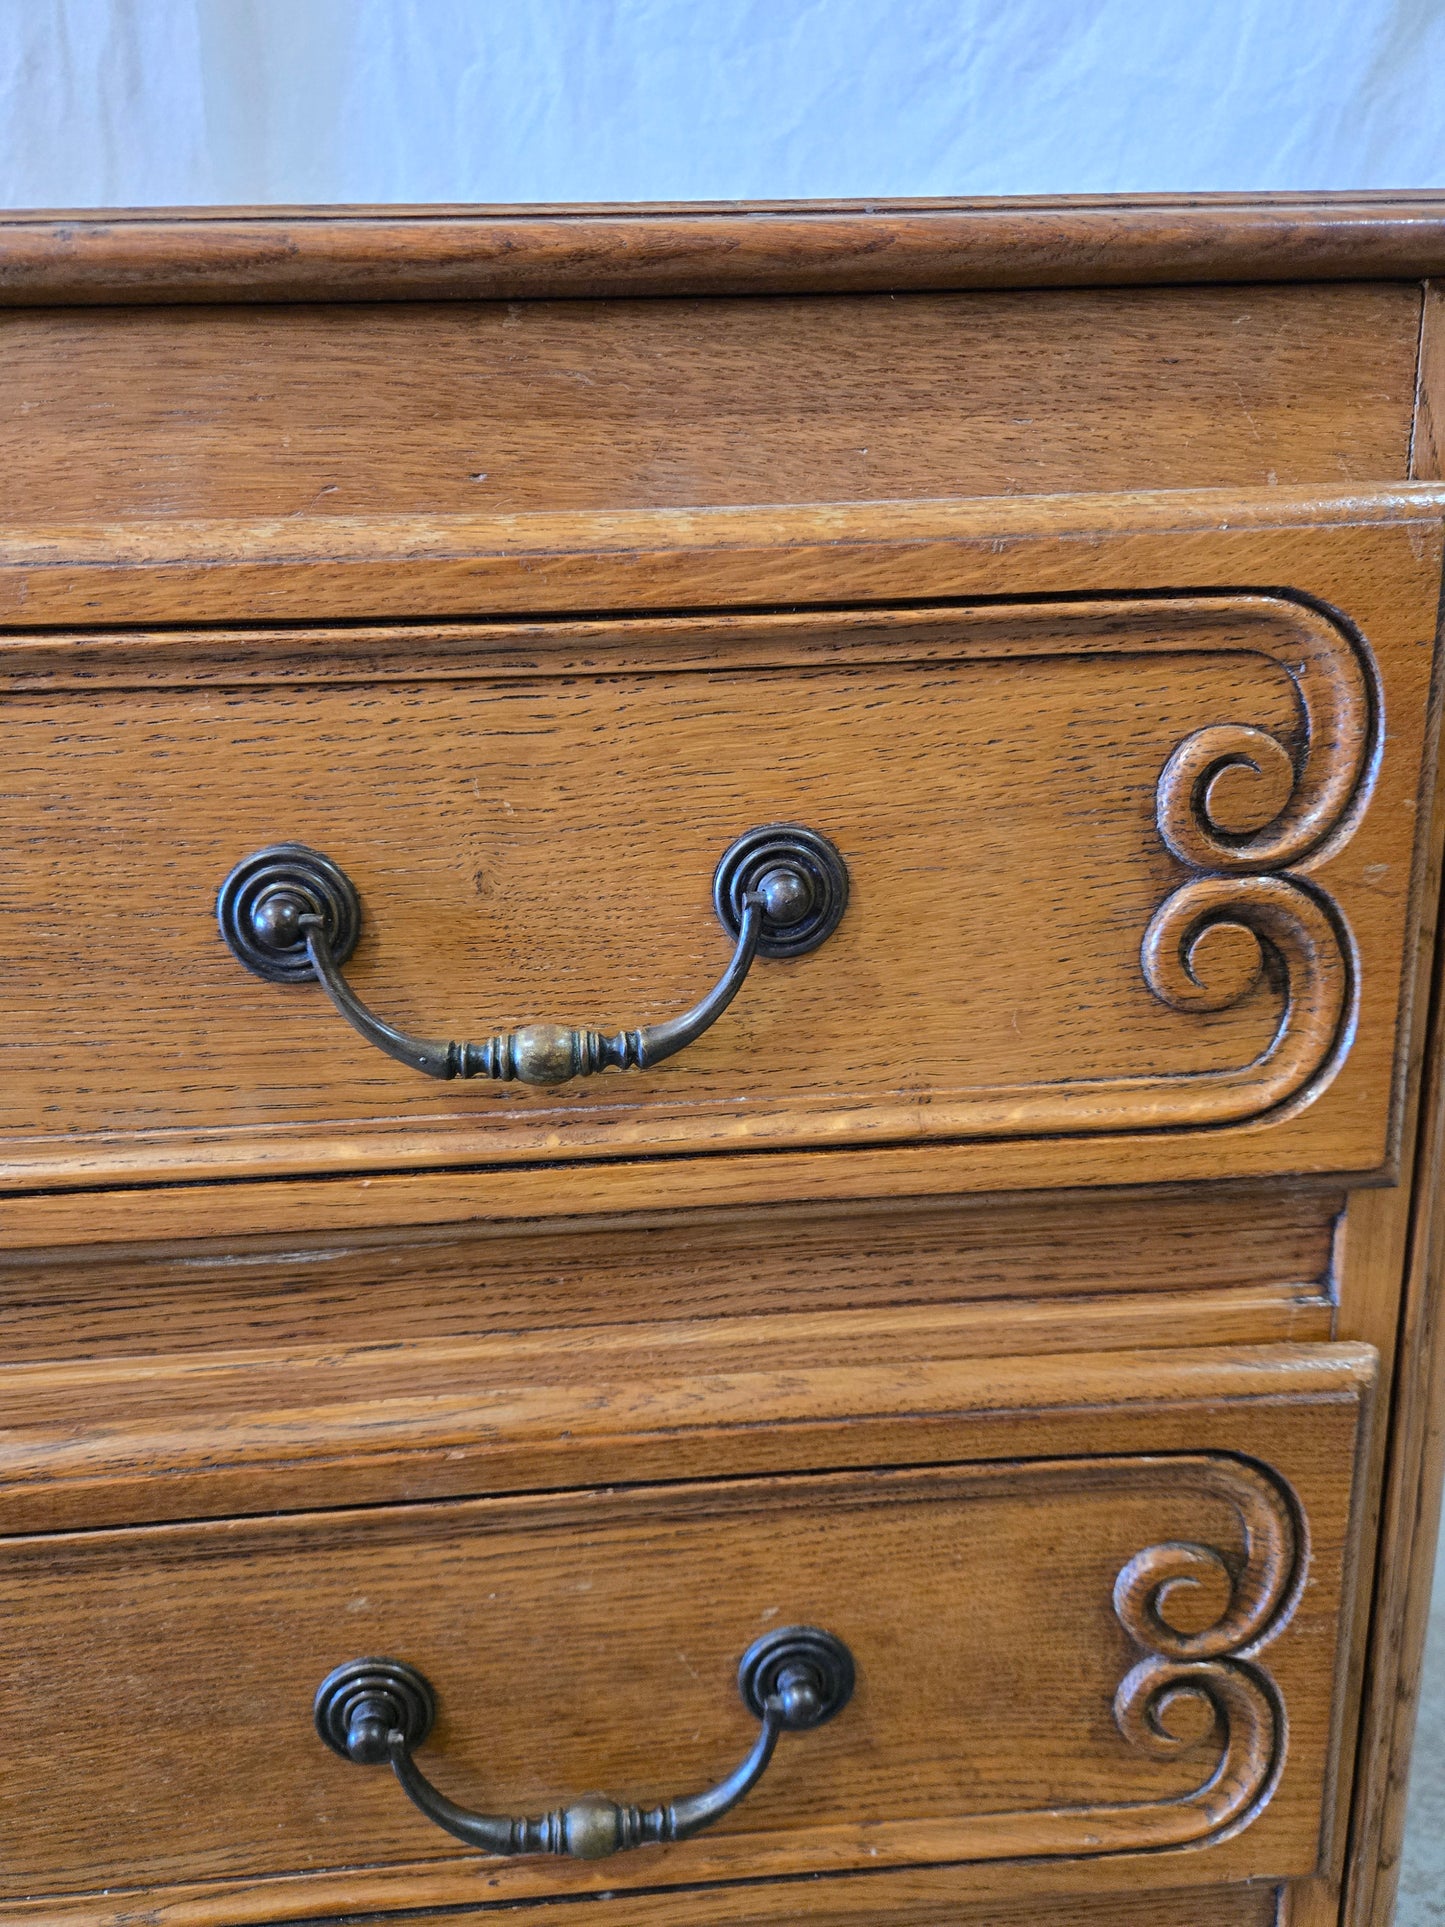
<point>292,915</point>
<point>374,1712</point>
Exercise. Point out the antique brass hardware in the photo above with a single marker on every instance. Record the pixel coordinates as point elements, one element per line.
<point>290,914</point>
<point>374,1712</point>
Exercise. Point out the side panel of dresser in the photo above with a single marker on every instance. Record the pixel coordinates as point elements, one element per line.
<point>1396,1295</point>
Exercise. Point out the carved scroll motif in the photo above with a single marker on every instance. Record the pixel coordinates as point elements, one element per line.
<point>1201,1617</point>
<point>1186,1673</point>
<point>1234,801</point>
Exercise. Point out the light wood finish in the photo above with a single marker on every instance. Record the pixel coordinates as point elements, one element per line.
<point>552,845</point>
<point>920,1898</point>
<point>160,1216</point>
<point>409,410</point>
<point>1410,1532</point>
<point>959,565</point>
<point>1003,1275</point>
<point>267,1430</point>
<point>1416,1472</point>
<point>1380,1230</point>
<point>311,570</point>
<point>598,1634</point>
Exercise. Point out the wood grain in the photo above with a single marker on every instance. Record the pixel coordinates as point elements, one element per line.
<point>159,1217</point>
<point>317,570</point>
<point>1427,443</point>
<point>393,498</point>
<point>459,812</point>
<point>921,1898</point>
<point>507,253</point>
<point>502,1600</point>
<point>547,841</point>
<point>1396,1293</point>
<point>207,1435</point>
<point>1379,1230</point>
<point>404,410</point>
<point>1001,1275</point>
<point>1410,1528</point>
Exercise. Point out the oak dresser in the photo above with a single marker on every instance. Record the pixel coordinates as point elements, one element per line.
<point>719,1132</point>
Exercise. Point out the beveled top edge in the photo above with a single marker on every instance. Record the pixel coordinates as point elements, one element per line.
<point>170,255</point>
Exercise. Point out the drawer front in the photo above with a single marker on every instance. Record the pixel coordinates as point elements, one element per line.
<point>1064,1661</point>
<point>1133,866</point>
<point>540,405</point>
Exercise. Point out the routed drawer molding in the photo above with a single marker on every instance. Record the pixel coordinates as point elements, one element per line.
<point>1195,1709</point>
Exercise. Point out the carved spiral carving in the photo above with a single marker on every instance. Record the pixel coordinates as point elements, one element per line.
<point>1282,920</point>
<point>1201,1679</point>
<point>1275,911</point>
<point>1232,797</point>
<point>1238,1701</point>
<point>1158,1581</point>
<point>1232,800</point>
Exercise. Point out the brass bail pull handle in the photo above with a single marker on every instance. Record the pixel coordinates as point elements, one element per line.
<point>375,1712</point>
<point>291,915</point>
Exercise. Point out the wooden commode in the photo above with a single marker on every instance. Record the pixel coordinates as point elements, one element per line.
<point>721,1114</point>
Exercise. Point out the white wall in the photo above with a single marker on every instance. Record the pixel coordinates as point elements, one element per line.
<point>135,102</point>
